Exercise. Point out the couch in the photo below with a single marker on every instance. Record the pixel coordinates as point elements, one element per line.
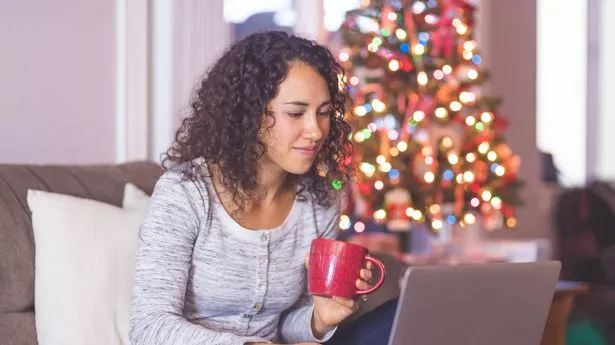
<point>99,182</point>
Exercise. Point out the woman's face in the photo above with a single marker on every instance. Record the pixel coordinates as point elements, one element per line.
<point>301,120</point>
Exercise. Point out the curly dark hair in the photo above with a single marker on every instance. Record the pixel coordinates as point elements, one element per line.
<point>229,107</point>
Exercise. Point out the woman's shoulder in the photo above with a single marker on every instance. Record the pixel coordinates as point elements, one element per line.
<point>185,173</point>
<point>183,182</point>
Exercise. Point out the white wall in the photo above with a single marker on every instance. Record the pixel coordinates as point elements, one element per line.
<point>92,81</point>
<point>508,46</point>
<point>57,81</point>
<point>187,37</point>
<point>606,83</point>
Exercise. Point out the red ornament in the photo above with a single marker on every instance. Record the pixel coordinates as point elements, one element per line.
<point>481,171</point>
<point>396,202</point>
<point>385,22</point>
<point>500,124</point>
<point>508,211</point>
<point>406,65</point>
<point>465,7</point>
<point>443,37</point>
<point>510,177</point>
<point>475,188</point>
<point>365,188</point>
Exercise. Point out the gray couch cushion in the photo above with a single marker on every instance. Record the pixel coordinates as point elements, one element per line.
<point>17,329</point>
<point>102,182</point>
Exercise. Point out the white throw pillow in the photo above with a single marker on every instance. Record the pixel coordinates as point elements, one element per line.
<point>85,253</point>
<point>135,199</point>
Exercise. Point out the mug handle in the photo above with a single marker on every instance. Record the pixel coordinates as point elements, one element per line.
<point>382,276</point>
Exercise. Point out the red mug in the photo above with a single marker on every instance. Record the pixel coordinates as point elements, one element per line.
<point>334,268</point>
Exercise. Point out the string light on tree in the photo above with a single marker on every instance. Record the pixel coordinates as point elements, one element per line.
<point>422,123</point>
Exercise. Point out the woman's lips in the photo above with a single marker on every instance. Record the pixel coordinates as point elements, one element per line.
<point>309,151</point>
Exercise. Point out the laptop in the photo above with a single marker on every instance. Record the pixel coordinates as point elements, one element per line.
<point>483,304</point>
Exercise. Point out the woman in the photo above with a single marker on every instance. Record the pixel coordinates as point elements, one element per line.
<point>222,251</point>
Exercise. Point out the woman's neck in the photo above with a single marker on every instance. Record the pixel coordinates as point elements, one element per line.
<point>272,182</point>
<point>272,185</point>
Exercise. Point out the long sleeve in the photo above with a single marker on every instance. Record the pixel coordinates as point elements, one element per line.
<point>296,322</point>
<point>166,241</point>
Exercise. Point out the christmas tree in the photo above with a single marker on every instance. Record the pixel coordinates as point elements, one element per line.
<point>429,144</point>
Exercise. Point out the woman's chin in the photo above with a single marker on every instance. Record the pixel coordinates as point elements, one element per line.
<point>299,169</point>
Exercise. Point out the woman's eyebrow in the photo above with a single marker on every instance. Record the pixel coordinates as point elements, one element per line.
<point>305,104</point>
<point>300,103</point>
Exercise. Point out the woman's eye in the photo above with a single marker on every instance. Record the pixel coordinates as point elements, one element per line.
<point>325,113</point>
<point>295,114</point>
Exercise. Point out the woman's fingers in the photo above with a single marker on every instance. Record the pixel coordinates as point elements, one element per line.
<point>362,285</point>
<point>366,274</point>
<point>345,302</point>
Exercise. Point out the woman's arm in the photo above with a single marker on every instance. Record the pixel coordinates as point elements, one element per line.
<point>166,240</point>
<point>296,324</point>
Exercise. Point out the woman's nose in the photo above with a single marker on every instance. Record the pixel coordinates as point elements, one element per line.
<point>312,129</point>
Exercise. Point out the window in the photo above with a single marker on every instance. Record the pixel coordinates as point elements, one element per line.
<point>561,114</point>
<point>335,12</point>
<point>247,17</point>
